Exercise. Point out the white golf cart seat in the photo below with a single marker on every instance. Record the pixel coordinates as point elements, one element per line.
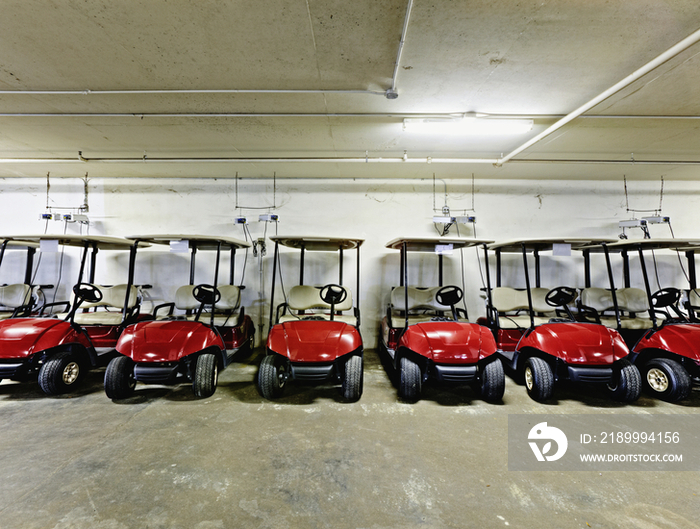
<point>305,298</point>
<point>108,311</point>
<point>13,297</point>
<point>422,305</point>
<point>694,299</point>
<point>226,313</point>
<point>631,301</point>
<point>512,306</point>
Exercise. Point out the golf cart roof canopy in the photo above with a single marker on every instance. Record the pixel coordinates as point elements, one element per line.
<point>546,243</point>
<point>429,244</point>
<point>648,244</point>
<point>102,242</point>
<point>323,244</point>
<point>203,242</point>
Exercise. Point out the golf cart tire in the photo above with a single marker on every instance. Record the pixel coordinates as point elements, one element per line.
<point>627,385</point>
<point>119,378</point>
<point>205,376</point>
<point>352,378</point>
<point>673,383</point>
<point>493,382</point>
<point>60,373</point>
<point>269,382</point>
<point>540,381</point>
<point>410,379</point>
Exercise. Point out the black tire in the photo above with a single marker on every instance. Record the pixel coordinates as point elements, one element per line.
<point>539,379</point>
<point>410,380</point>
<point>666,379</point>
<point>353,378</point>
<point>627,382</point>
<point>493,382</point>
<point>206,374</point>
<point>119,378</point>
<point>272,377</point>
<point>60,373</point>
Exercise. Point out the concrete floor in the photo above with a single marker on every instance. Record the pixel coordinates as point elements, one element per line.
<point>166,460</point>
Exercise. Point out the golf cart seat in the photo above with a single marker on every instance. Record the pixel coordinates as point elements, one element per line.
<point>303,298</point>
<point>693,301</point>
<point>510,302</point>
<point>226,313</point>
<point>632,302</point>
<point>422,305</point>
<point>108,311</point>
<point>13,297</point>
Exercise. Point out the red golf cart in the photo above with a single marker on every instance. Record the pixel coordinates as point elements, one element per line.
<point>192,346</point>
<point>61,346</point>
<point>539,337</point>
<point>314,334</point>
<point>426,335</point>
<point>664,340</point>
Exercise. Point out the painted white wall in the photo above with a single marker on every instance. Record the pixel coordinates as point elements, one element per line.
<point>376,210</point>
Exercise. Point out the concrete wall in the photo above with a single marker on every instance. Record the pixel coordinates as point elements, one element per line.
<point>375,210</point>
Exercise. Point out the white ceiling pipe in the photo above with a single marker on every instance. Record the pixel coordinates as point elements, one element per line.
<point>375,160</point>
<point>398,115</point>
<point>183,91</point>
<point>147,159</point>
<point>651,65</point>
<point>392,93</point>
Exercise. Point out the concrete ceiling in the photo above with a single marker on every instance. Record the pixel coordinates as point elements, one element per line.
<point>541,59</point>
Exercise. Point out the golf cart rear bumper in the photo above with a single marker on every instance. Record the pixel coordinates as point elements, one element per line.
<point>312,372</point>
<point>590,375</point>
<point>156,374</point>
<point>455,373</point>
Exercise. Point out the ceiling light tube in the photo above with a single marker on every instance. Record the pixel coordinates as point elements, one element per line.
<point>467,125</point>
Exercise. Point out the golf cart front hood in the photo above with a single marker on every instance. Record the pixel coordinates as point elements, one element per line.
<point>166,341</point>
<point>577,343</point>
<point>22,337</point>
<point>682,339</point>
<point>313,341</point>
<point>449,342</point>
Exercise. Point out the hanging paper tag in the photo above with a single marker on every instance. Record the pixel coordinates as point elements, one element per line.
<point>563,250</point>
<point>180,246</point>
<point>50,245</point>
<point>443,249</point>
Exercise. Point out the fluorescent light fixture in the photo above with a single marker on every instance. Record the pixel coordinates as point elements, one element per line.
<point>468,125</point>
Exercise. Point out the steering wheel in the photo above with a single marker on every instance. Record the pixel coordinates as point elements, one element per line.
<point>560,296</point>
<point>87,292</point>
<point>206,294</point>
<point>333,294</point>
<point>665,297</point>
<point>449,295</point>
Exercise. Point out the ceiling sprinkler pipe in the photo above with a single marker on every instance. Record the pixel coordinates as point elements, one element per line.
<point>651,65</point>
<point>392,93</point>
<point>184,91</point>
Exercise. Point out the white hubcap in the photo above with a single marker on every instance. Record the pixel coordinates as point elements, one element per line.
<point>529,381</point>
<point>70,373</point>
<point>657,379</point>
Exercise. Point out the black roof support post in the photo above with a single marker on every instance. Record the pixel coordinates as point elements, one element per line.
<point>652,312</point>
<point>275,258</point>
<point>193,258</point>
<point>527,286</point>
<point>612,285</point>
